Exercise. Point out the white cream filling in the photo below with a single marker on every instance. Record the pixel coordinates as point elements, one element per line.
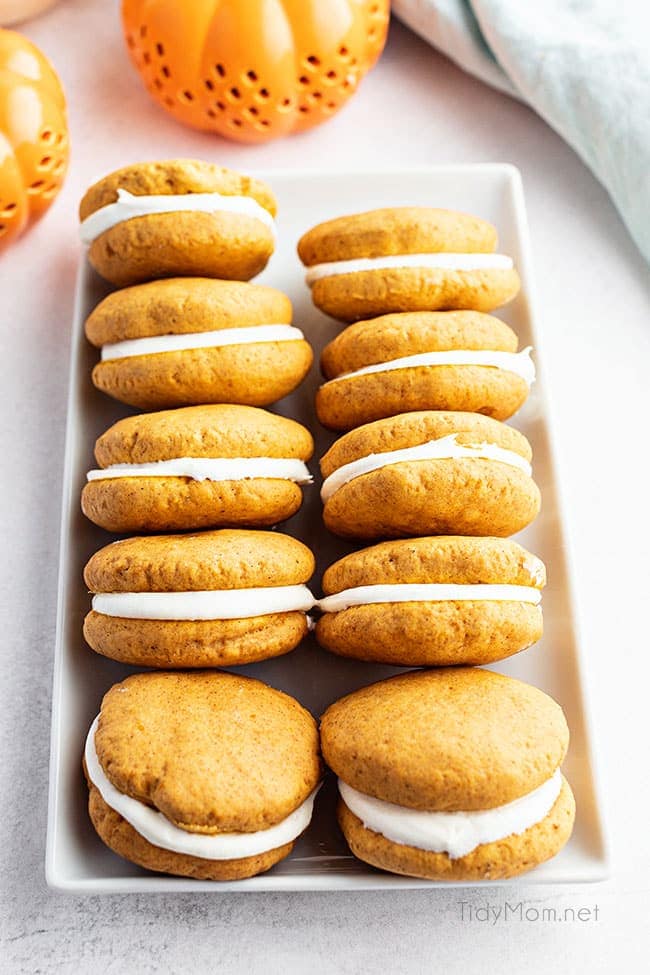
<point>445,448</point>
<point>425,593</point>
<point>519,363</point>
<point>158,830</point>
<point>215,339</point>
<point>454,833</point>
<point>127,206</point>
<point>448,262</point>
<point>222,604</point>
<point>212,469</point>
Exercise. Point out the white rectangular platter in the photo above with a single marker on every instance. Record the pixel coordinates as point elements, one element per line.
<point>76,859</point>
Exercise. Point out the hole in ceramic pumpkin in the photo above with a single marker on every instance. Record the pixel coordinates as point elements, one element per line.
<point>313,60</point>
<point>343,51</point>
<point>331,75</point>
<point>265,93</point>
<point>47,136</point>
<point>143,30</point>
<point>209,84</point>
<point>35,186</point>
<point>58,169</point>
<point>252,76</point>
<point>160,49</point>
<point>316,95</point>
<point>372,33</point>
<point>165,71</point>
<point>235,93</point>
<point>236,122</point>
<point>158,83</point>
<point>221,71</point>
<point>284,106</point>
<point>8,210</point>
<point>45,162</point>
<point>185,96</point>
<point>61,139</point>
<point>221,106</point>
<point>303,109</point>
<point>130,41</point>
<point>3,229</point>
<point>303,80</point>
<point>211,113</point>
<point>169,102</point>
<point>252,111</point>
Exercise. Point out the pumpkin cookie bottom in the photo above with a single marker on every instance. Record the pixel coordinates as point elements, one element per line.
<point>194,643</point>
<point>184,244</point>
<point>129,504</point>
<point>347,403</point>
<point>365,294</point>
<point>504,858</point>
<point>254,374</point>
<point>124,840</point>
<point>431,634</point>
<point>438,497</point>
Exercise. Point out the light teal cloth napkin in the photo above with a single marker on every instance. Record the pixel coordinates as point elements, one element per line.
<point>583,65</point>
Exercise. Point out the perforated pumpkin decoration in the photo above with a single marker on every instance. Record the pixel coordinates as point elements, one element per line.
<point>253,70</point>
<point>33,134</point>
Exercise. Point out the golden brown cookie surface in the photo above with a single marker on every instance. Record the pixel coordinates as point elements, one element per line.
<point>396,230</point>
<point>124,840</point>
<point>255,373</point>
<point>215,244</point>
<point>168,503</point>
<point>213,752</point>
<point>441,632</point>
<point>226,559</point>
<point>347,400</point>
<point>222,561</point>
<point>489,861</point>
<point>445,740</point>
<point>351,293</point>
<point>450,496</point>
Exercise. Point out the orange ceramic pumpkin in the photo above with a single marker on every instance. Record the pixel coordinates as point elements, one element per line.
<point>253,70</point>
<point>33,134</point>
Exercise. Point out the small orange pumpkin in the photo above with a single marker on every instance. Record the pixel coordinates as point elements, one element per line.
<point>253,70</point>
<point>33,134</point>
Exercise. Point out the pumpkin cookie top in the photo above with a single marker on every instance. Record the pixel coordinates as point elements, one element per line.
<point>226,559</point>
<point>213,752</point>
<point>180,306</point>
<point>460,739</point>
<point>439,559</point>
<point>412,429</point>
<point>222,430</point>
<point>411,333</point>
<point>174,177</point>
<point>396,230</point>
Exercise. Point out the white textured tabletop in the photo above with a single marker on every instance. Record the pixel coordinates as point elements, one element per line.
<point>414,108</point>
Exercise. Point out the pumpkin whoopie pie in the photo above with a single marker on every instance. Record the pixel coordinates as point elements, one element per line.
<point>430,602</point>
<point>429,473</point>
<point>198,467</point>
<point>204,774</point>
<point>448,360</point>
<point>186,341</point>
<point>177,217</point>
<point>405,259</point>
<point>450,774</point>
<point>213,599</point>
